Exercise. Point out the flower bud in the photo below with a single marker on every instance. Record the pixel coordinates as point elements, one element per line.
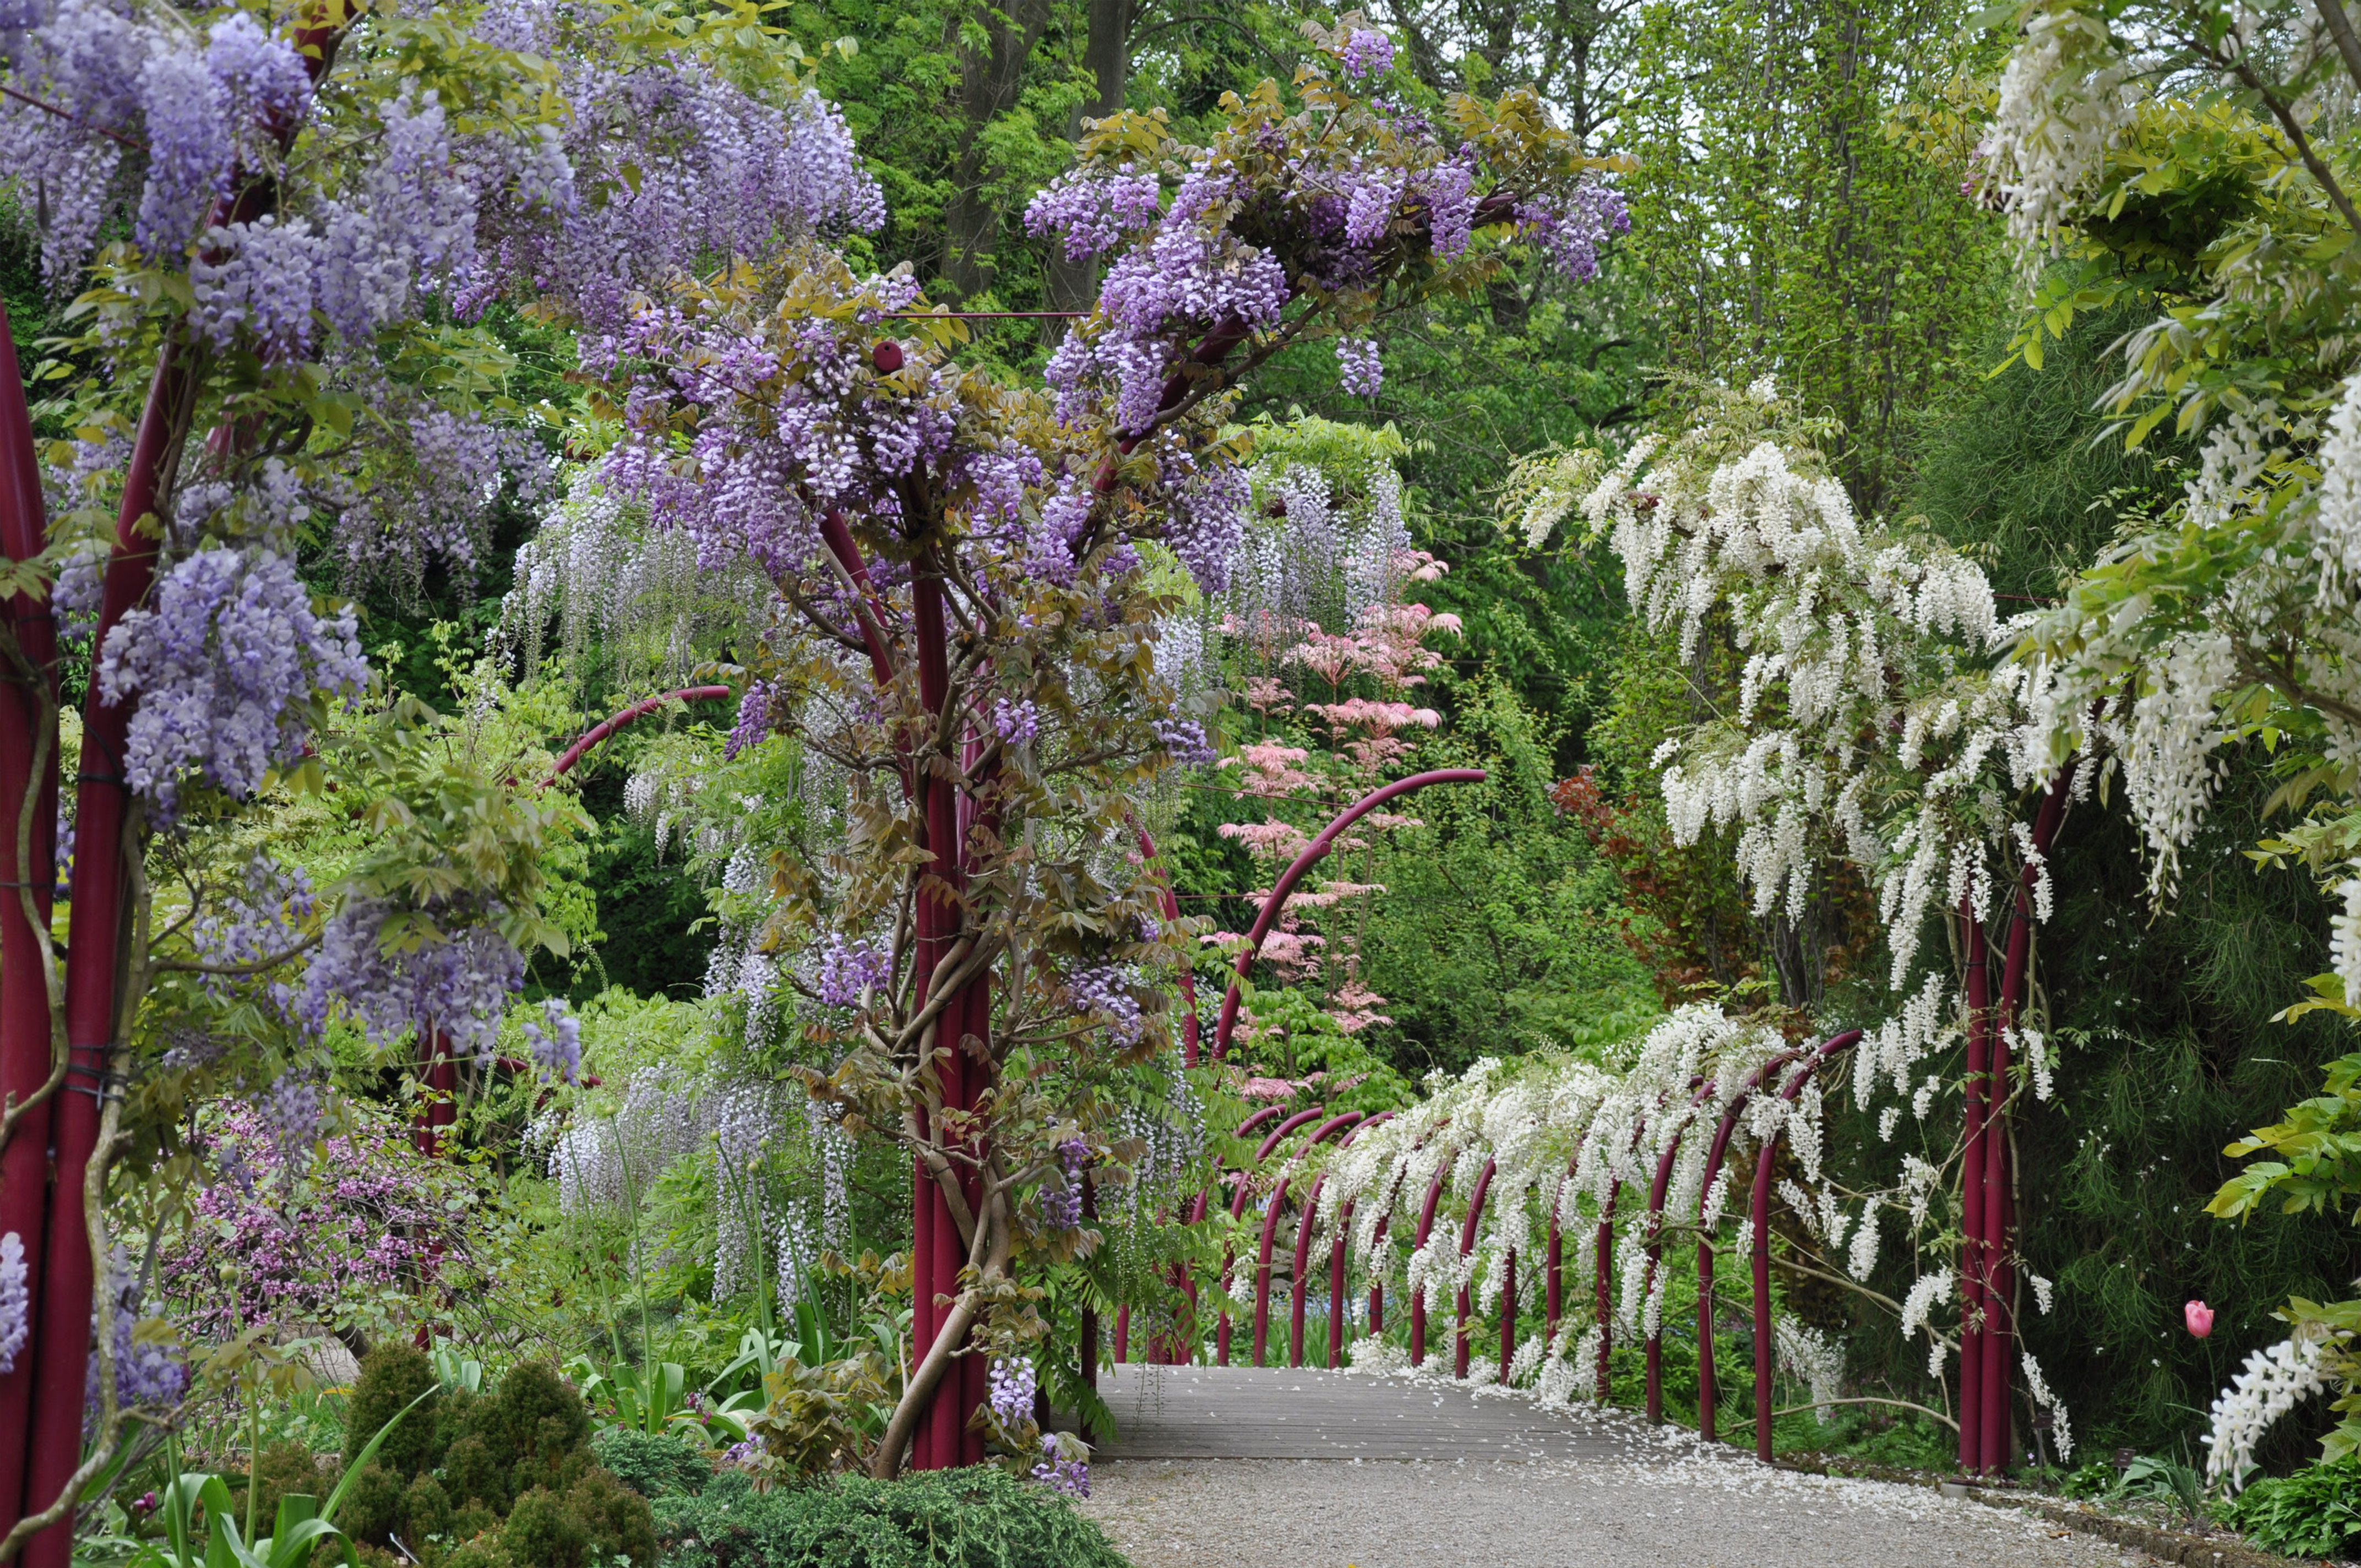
<point>2200,1317</point>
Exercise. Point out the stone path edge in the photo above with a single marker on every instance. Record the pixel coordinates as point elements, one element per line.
<point>2165,1545</point>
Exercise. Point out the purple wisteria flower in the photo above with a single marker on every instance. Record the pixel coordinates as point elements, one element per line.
<point>1017,722</point>
<point>557,1047</point>
<point>847,970</point>
<point>1012,1384</point>
<point>1368,53</point>
<point>1362,373</point>
<point>227,667</point>
<point>459,984</point>
<point>1103,991</point>
<point>1184,739</point>
<point>1058,1473</point>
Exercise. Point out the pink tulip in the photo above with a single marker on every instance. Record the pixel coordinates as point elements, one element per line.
<point>2201,1318</point>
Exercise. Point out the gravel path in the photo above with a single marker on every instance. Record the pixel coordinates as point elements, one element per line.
<point>1245,1468</point>
<point>1329,1513</point>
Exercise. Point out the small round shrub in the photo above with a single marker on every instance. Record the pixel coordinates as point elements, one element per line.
<point>425,1511</point>
<point>544,1532</point>
<point>372,1508</point>
<point>392,1375</point>
<point>653,1463</point>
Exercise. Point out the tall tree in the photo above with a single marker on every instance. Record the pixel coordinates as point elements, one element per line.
<point>1785,230</point>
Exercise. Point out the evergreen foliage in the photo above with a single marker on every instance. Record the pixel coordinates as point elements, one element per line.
<point>980,1518</point>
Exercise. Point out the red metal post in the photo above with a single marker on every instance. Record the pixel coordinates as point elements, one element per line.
<point>1995,1438</point>
<point>1715,1156</point>
<point>1761,1259</point>
<point>1466,1246</point>
<point>26,1046</point>
<point>1335,1261</point>
<point>1971,1195</point>
<point>1418,1298</point>
<point>1327,1129</point>
<point>1238,1210</point>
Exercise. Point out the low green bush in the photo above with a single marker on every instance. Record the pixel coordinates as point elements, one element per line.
<point>650,1464</point>
<point>979,1518</point>
<point>504,1480</point>
<point>2315,1512</point>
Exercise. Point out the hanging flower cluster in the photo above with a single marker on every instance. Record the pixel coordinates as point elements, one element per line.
<point>232,669</point>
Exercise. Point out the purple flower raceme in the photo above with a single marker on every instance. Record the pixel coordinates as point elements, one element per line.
<point>1017,722</point>
<point>1103,991</point>
<point>1368,53</point>
<point>1185,740</point>
<point>15,1301</point>
<point>460,984</point>
<point>556,1041</point>
<point>1058,1473</point>
<point>1571,228</point>
<point>228,667</point>
<point>1094,213</point>
<point>289,1109</point>
<point>1360,370</point>
<point>849,969</point>
<point>149,1369</point>
<point>1011,1384</point>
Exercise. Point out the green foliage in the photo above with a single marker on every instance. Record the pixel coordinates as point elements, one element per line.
<point>980,1518</point>
<point>1494,933</point>
<point>2315,1512</point>
<point>653,1464</point>
<point>1781,227</point>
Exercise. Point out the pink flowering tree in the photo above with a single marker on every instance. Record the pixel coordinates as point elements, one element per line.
<point>1327,652</point>
<point>282,357</point>
<point>960,585</point>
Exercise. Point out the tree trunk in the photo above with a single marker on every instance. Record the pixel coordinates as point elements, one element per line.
<point>1106,54</point>
<point>988,88</point>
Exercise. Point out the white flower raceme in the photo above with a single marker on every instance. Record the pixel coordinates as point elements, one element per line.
<point>2277,1379</point>
<point>2064,98</point>
<point>2035,1386</point>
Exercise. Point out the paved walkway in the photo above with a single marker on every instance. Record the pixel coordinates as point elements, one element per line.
<point>1244,1468</point>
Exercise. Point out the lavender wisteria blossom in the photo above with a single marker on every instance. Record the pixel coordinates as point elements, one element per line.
<point>230,669</point>
<point>459,984</point>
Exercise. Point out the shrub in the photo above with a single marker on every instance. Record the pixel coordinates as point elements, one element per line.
<point>980,1517</point>
<point>653,1464</point>
<point>285,1468</point>
<point>2312,1513</point>
<point>391,1376</point>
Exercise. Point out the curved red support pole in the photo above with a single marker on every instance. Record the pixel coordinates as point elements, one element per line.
<point>1715,1156</point>
<point>591,738</point>
<point>1326,1130</point>
<point>1418,1298</point>
<point>1762,1252</point>
<point>1654,1231</point>
<point>1312,853</point>
<point>1468,1244</point>
<point>1238,1210</point>
<point>1336,1263</point>
<point>1377,1283</point>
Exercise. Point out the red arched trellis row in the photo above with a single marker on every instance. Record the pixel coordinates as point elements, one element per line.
<point>1789,1071</point>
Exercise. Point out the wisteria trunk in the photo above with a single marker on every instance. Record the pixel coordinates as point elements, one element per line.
<point>26,1054</point>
